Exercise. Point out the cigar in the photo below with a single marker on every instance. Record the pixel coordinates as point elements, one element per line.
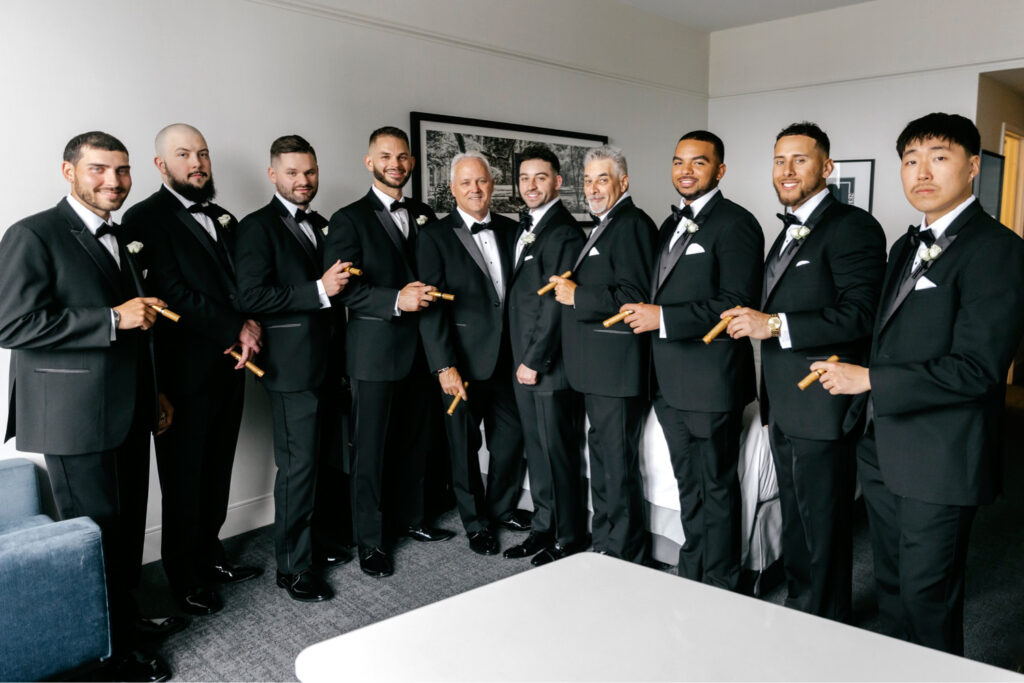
<point>442,295</point>
<point>456,400</point>
<point>249,365</point>
<point>616,318</point>
<point>166,312</point>
<point>814,376</point>
<point>551,285</point>
<point>352,270</point>
<point>717,329</point>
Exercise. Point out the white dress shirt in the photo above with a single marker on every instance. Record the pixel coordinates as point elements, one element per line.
<point>202,218</point>
<point>802,213</point>
<point>938,228</point>
<point>535,216</point>
<point>401,217</point>
<point>487,242</point>
<point>695,206</point>
<point>307,230</point>
<point>109,242</point>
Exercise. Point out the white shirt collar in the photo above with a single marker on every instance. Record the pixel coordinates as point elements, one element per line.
<point>698,204</point>
<point>91,220</point>
<point>187,203</point>
<point>619,201</point>
<point>385,199</point>
<point>468,220</point>
<point>807,208</point>
<point>539,212</point>
<point>939,226</point>
<point>292,208</point>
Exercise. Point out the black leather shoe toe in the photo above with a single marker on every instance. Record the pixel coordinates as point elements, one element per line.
<point>426,534</point>
<point>136,666</point>
<point>483,542</point>
<point>200,601</point>
<point>554,552</point>
<point>151,630</point>
<point>305,586</point>
<point>375,562</point>
<point>534,543</point>
<point>226,573</point>
<point>519,520</point>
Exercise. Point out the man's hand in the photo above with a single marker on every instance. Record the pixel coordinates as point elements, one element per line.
<point>746,322</point>
<point>138,312</point>
<point>166,414</point>
<point>565,290</point>
<point>336,278</point>
<point>645,317</point>
<point>525,375</point>
<point>249,343</point>
<point>843,378</point>
<point>451,383</point>
<point>413,297</point>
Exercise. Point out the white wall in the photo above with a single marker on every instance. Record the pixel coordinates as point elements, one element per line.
<point>245,72</point>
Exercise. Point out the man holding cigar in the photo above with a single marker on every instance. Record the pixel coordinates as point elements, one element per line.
<point>83,388</point>
<point>278,257</point>
<point>709,260</point>
<point>551,413</point>
<point>469,254</point>
<point>391,384</point>
<point>609,366</point>
<point>951,316</point>
<point>189,257</point>
<point>822,278</point>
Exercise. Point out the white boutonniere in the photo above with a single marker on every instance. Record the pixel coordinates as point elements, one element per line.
<point>134,247</point>
<point>420,220</point>
<point>527,238</point>
<point>926,253</point>
<point>690,226</point>
<point>224,220</point>
<point>324,230</point>
<point>798,232</point>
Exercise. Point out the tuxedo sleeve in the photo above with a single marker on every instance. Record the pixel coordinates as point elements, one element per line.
<point>739,254</point>
<point>31,315</point>
<point>856,259</point>
<point>258,290</point>
<point>434,321</point>
<point>631,252</point>
<point>360,295</point>
<point>546,341</point>
<point>987,328</point>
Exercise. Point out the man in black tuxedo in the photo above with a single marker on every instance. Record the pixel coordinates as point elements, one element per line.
<point>83,390</point>
<point>189,258</point>
<point>709,260</point>
<point>469,254</point>
<point>278,259</point>
<point>391,384</point>
<point>609,366</point>
<point>951,317</point>
<point>822,275</point>
<point>551,413</point>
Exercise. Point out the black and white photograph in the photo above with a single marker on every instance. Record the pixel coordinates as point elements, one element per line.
<point>852,181</point>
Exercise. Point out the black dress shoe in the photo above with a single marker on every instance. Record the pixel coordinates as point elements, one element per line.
<point>375,562</point>
<point>425,534</point>
<point>153,630</point>
<point>534,543</point>
<point>332,559</point>
<point>225,573</point>
<point>305,586</point>
<point>555,552</point>
<point>200,601</point>
<point>483,542</point>
<point>135,666</point>
<point>519,520</point>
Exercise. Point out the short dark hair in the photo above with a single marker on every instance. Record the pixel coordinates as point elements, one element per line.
<point>290,144</point>
<point>708,136</point>
<point>544,154</point>
<point>96,139</point>
<point>811,130</point>
<point>949,127</point>
<point>389,131</point>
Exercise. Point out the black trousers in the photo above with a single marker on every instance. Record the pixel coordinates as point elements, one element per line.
<point>816,485</point>
<point>705,448</point>
<point>920,554</point>
<point>491,402</point>
<point>194,458</point>
<point>619,524</point>
<point>393,438</point>
<point>553,439</point>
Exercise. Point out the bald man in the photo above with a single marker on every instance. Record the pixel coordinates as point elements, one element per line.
<point>187,249</point>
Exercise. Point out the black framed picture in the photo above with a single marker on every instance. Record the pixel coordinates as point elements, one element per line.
<point>988,184</point>
<point>853,182</point>
<point>436,139</point>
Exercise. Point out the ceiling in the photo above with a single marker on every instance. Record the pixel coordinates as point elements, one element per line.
<point>715,15</point>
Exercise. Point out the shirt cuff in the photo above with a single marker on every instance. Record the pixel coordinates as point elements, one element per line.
<point>784,341</point>
<point>113,326</point>
<point>325,301</point>
<point>398,311</point>
<point>662,334</point>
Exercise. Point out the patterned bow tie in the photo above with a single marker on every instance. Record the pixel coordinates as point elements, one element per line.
<point>918,236</point>
<point>477,227</point>
<point>679,214</point>
<point>788,219</point>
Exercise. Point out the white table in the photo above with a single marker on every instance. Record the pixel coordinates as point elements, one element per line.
<point>593,618</point>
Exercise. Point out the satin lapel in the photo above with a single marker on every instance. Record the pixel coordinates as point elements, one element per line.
<point>771,255</point>
<point>595,235</point>
<point>128,261</point>
<point>506,252</point>
<point>99,254</point>
<point>544,221</point>
<point>673,257</point>
<point>783,264</point>
<point>393,232</point>
<point>297,233</point>
<point>198,232</point>
<point>466,237</point>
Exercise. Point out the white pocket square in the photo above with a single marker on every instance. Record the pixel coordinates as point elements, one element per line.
<point>694,249</point>
<point>801,263</point>
<point>593,252</point>
<point>924,283</point>
<point>527,258</point>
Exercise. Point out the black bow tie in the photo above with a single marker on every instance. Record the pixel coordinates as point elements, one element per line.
<point>108,229</point>
<point>788,219</point>
<point>919,236</point>
<point>525,220</point>
<point>399,204</point>
<point>211,210</point>
<point>477,227</point>
<point>679,214</point>
<point>310,216</point>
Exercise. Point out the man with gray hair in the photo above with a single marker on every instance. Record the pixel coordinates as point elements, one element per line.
<point>610,366</point>
<point>469,254</point>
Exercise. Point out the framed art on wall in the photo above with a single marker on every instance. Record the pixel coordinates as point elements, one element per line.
<point>853,182</point>
<point>436,139</point>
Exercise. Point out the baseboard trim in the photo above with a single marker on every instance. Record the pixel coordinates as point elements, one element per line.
<point>244,515</point>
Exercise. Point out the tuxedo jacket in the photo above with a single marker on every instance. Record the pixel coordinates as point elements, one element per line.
<point>613,268</point>
<point>186,270</point>
<point>72,389</point>
<point>380,346</point>
<point>277,269</point>
<point>939,363</point>
<point>535,322</point>
<point>465,333</point>
<point>717,268</point>
<point>828,287</point>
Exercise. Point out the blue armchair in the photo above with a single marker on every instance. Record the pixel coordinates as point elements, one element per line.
<point>53,598</point>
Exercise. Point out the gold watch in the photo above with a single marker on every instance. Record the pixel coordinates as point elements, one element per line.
<point>774,324</point>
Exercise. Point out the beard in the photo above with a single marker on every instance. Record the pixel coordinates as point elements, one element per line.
<point>378,175</point>
<point>192,193</point>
